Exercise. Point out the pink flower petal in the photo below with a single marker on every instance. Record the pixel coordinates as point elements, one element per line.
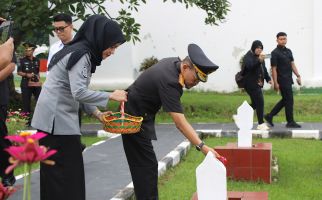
<point>11,167</point>
<point>38,135</point>
<point>16,138</point>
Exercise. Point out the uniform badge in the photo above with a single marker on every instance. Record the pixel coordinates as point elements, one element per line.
<point>84,72</point>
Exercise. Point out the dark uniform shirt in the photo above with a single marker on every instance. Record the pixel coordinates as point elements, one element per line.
<point>157,86</point>
<point>4,87</point>
<point>28,66</point>
<point>282,58</point>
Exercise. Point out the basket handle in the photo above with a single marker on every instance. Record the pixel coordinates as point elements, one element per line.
<point>122,109</point>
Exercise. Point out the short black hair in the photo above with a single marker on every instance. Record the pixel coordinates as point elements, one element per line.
<point>63,17</point>
<point>281,34</point>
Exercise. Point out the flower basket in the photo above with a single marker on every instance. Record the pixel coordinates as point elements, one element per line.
<point>122,123</point>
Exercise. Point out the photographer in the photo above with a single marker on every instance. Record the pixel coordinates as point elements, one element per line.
<point>30,82</point>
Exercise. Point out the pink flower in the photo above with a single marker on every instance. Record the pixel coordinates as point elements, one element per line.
<point>5,192</point>
<point>24,136</point>
<point>29,153</point>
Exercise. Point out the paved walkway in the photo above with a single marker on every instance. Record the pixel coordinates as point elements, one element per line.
<point>106,168</point>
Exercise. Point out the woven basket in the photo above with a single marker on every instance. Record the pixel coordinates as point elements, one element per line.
<point>126,124</point>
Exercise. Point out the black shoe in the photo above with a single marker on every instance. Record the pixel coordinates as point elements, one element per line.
<point>8,180</point>
<point>293,125</point>
<point>269,119</point>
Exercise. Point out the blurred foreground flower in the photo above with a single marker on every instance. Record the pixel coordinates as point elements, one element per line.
<point>27,153</point>
<point>5,192</point>
<point>23,137</point>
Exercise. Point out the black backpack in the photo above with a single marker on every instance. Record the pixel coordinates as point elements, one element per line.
<point>239,77</point>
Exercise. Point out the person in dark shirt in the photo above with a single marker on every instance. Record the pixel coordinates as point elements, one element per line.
<point>30,82</point>
<point>282,63</point>
<point>161,85</point>
<point>7,179</point>
<point>255,72</point>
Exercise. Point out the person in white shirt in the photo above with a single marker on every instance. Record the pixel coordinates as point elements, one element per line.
<point>63,27</point>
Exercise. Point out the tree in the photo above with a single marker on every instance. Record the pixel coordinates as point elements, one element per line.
<point>33,18</point>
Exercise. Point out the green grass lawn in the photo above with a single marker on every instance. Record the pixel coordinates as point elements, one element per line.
<point>220,107</point>
<point>213,107</point>
<point>299,178</point>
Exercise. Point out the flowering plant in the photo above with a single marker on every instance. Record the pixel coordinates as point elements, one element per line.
<point>5,192</point>
<point>26,153</point>
<point>16,120</point>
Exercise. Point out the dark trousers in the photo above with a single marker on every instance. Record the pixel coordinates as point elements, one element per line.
<point>65,180</point>
<point>256,96</point>
<point>27,92</point>
<point>4,143</point>
<point>287,101</point>
<point>143,166</point>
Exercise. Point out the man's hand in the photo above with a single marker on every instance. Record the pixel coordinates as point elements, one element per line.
<point>277,87</point>
<point>299,81</point>
<point>205,149</point>
<point>29,75</point>
<point>118,95</point>
<point>2,19</point>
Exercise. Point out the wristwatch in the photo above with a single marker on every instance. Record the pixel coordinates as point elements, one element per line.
<point>199,146</point>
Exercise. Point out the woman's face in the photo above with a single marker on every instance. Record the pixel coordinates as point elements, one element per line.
<point>109,51</point>
<point>258,51</point>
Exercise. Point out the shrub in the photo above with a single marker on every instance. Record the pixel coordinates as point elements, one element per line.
<point>148,62</point>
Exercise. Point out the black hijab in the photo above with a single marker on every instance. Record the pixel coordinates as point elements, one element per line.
<point>256,44</point>
<point>97,34</point>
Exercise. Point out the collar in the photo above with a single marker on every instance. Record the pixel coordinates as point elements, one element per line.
<point>281,47</point>
<point>180,79</point>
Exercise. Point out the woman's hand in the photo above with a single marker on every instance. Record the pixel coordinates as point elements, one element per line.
<point>118,95</point>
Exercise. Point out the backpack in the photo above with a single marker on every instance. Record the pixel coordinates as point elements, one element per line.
<point>239,76</point>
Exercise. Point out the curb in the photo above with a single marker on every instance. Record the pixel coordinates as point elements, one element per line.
<point>175,156</point>
<point>305,134</point>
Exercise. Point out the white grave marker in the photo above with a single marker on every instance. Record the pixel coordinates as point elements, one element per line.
<point>244,121</point>
<point>211,179</point>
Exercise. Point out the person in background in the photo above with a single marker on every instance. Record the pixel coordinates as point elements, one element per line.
<point>255,73</point>
<point>63,27</point>
<point>282,63</point>
<point>30,82</point>
<point>65,89</point>
<point>161,85</point>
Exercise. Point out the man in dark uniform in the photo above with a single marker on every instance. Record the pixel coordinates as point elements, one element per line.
<point>30,82</point>
<point>7,179</point>
<point>282,63</point>
<point>161,85</point>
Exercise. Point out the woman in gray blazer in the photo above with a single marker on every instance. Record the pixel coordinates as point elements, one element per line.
<point>65,89</point>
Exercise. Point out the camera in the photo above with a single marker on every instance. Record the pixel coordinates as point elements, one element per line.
<point>5,31</point>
